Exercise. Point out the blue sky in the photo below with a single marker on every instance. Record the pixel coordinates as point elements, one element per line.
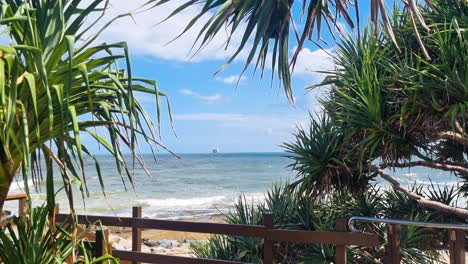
<point>214,112</point>
<point>211,111</point>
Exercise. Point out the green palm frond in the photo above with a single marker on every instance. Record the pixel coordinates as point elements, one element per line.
<point>33,240</point>
<point>320,158</point>
<point>396,104</point>
<point>268,26</point>
<point>57,86</point>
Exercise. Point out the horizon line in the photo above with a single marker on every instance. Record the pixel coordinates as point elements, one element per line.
<point>185,153</point>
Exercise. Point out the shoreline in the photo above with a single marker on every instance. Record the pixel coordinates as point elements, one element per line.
<point>164,242</point>
<point>126,232</point>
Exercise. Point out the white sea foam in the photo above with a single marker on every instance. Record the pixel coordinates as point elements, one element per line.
<point>204,202</point>
<point>18,186</point>
<point>256,197</point>
<point>178,208</point>
<point>440,183</point>
<point>184,203</point>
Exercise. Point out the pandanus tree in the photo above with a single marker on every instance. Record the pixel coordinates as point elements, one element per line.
<point>56,85</point>
<point>389,108</point>
<point>398,96</point>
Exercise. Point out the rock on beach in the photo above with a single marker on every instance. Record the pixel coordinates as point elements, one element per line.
<point>157,246</point>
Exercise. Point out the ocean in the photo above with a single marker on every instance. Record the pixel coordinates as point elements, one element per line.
<point>195,185</point>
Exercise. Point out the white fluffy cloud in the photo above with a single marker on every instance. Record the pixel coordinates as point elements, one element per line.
<point>310,62</point>
<point>146,37</point>
<point>186,91</point>
<point>232,79</point>
<point>208,99</point>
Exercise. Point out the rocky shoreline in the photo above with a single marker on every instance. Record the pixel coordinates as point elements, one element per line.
<point>164,246</point>
<point>160,241</point>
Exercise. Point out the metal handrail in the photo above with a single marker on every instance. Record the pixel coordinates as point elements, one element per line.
<point>355,219</point>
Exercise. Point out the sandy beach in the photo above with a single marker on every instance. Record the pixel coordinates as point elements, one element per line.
<point>162,241</point>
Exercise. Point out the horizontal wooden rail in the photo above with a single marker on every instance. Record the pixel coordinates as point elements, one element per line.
<point>182,226</point>
<point>104,220</point>
<point>207,228</point>
<point>322,237</point>
<point>295,236</point>
<point>22,202</point>
<point>265,232</point>
<point>16,196</point>
<point>157,258</point>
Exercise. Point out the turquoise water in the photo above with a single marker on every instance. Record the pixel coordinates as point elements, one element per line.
<point>195,185</point>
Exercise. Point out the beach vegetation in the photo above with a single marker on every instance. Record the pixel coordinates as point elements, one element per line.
<point>31,240</point>
<point>387,108</point>
<point>294,210</point>
<point>59,84</point>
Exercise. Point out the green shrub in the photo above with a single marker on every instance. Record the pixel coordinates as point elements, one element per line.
<point>293,209</point>
<point>30,240</point>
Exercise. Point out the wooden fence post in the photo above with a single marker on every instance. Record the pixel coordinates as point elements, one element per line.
<point>457,246</point>
<point>53,222</point>
<point>136,232</point>
<point>460,246</point>
<point>340,257</point>
<point>22,207</point>
<point>267,243</point>
<point>394,254</point>
<point>99,243</point>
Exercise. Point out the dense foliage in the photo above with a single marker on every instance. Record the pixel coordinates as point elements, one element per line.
<point>293,209</point>
<point>388,108</point>
<point>58,85</point>
<point>31,240</point>
<point>268,27</point>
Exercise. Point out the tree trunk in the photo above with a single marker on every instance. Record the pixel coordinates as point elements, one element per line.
<point>422,201</point>
<point>5,182</point>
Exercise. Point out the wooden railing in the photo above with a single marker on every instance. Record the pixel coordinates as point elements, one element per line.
<point>22,202</point>
<point>341,238</point>
<point>22,207</point>
<point>456,232</point>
